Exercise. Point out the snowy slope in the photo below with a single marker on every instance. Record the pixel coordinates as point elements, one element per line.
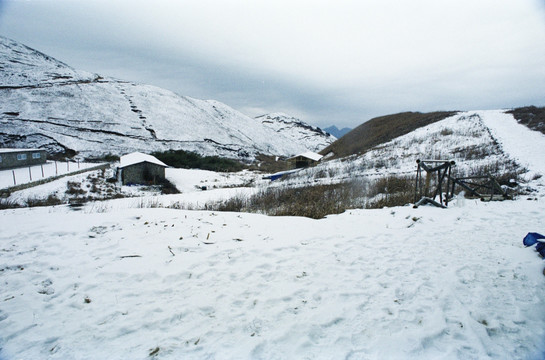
<point>314,138</point>
<point>45,103</point>
<point>526,146</point>
<point>478,141</point>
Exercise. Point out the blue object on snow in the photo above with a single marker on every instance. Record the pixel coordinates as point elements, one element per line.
<point>540,247</point>
<point>532,238</point>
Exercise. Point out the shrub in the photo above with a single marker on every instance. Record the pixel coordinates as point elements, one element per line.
<point>74,188</point>
<point>190,160</point>
<point>168,188</point>
<point>110,158</point>
<point>531,116</point>
<point>51,200</point>
<point>8,204</point>
<point>317,201</point>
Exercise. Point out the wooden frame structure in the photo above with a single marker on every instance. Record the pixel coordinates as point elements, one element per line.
<point>446,184</point>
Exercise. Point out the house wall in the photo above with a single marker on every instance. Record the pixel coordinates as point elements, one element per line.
<point>300,162</point>
<point>14,159</point>
<point>142,173</point>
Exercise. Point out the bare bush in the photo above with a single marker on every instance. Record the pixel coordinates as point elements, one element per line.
<point>74,188</point>
<point>51,200</point>
<point>317,201</point>
<point>8,204</point>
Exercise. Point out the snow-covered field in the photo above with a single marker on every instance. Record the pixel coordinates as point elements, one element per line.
<point>367,284</point>
<point>121,280</point>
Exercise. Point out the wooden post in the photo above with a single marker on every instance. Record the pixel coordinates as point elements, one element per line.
<point>417,183</point>
<point>443,171</point>
<point>42,166</point>
<point>56,169</point>
<point>14,182</point>
<point>29,173</point>
<point>448,185</point>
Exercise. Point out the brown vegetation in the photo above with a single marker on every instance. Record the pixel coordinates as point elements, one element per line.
<point>380,130</point>
<point>531,116</point>
<point>317,201</point>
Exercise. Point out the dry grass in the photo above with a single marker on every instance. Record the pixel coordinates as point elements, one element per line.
<point>531,116</point>
<point>317,201</point>
<point>381,130</point>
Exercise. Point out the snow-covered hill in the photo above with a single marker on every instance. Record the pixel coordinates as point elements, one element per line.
<point>469,138</point>
<point>314,138</point>
<point>46,103</point>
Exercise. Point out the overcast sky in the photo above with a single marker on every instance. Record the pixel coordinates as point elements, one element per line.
<point>327,62</point>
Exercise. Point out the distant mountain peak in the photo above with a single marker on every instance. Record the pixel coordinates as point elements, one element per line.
<point>333,130</point>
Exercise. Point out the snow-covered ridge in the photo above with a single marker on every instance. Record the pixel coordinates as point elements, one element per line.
<point>25,67</point>
<point>476,140</point>
<point>47,104</point>
<point>314,138</point>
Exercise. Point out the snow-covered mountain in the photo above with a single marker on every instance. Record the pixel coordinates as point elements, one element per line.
<point>46,103</point>
<point>313,138</point>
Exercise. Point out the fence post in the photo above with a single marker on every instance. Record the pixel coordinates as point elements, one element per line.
<point>42,166</point>
<point>67,165</point>
<point>14,182</point>
<point>29,173</point>
<point>56,170</point>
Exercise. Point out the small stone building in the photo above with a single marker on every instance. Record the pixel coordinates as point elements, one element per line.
<point>14,158</point>
<point>141,169</point>
<point>304,160</point>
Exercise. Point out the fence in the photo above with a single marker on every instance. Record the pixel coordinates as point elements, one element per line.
<point>27,185</point>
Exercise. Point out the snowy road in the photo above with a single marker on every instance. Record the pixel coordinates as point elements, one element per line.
<point>522,144</point>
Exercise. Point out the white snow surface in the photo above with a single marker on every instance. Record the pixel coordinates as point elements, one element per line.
<point>9,150</point>
<point>310,155</point>
<point>122,279</point>
<point>138,157</point>
<point>393,283</point>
